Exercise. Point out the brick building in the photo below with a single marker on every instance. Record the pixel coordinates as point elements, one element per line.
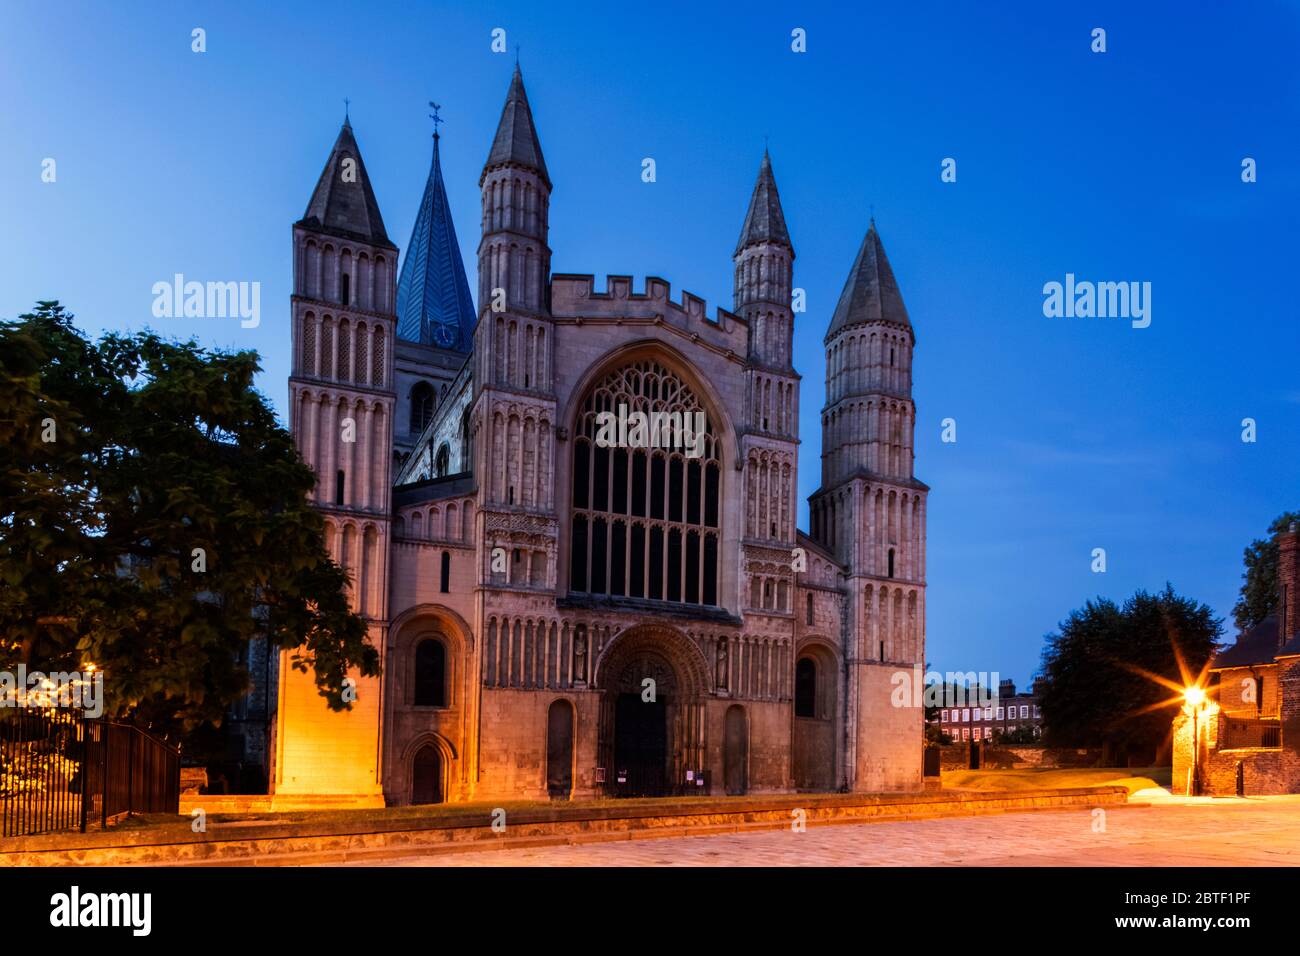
<point>526,581</point>
<point>1248,729</point>
<point>981,714</point>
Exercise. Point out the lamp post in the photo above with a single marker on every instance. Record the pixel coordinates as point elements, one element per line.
<point>1194,704</point>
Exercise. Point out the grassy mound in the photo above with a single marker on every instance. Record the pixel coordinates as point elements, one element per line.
<point>1056,779</point>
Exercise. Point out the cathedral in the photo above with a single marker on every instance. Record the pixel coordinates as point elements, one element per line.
<point>559,615</point>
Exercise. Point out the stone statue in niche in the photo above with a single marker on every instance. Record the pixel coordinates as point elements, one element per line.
<point>580,656</point>
<point>722,664</point>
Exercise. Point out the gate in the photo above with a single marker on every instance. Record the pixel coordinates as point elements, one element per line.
<point>60,771</point>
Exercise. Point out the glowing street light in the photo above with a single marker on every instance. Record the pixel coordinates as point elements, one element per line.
<point>1194,704</point>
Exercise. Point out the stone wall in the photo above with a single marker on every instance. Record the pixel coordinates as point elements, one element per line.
<point>1028,757</point>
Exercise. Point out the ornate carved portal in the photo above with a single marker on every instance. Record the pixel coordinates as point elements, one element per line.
<point>653,681</point>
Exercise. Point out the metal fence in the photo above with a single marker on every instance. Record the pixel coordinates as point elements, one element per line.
<point>60,771</point>
<point>1239,733</point>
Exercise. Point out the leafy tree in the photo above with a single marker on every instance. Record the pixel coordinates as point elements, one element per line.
<point>1024,734</point>
<point>1259,581</point>
<point>1102,671</point>
<point>154,520</point>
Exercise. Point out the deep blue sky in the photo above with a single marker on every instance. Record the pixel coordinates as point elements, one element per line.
<point>1072,433</point>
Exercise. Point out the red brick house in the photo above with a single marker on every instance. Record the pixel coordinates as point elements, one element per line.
<point>1248,729</point>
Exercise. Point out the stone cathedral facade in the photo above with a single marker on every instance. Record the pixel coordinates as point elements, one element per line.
<point>562,616</point>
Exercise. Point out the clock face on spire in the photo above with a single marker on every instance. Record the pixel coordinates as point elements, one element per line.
<point>445,335</point>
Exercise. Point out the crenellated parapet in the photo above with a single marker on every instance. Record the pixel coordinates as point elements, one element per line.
<point>575,299</point>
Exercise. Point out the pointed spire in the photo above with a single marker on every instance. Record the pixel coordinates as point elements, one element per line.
<point>343,202</point>
<point>765,222</point>
<point>871,292</point>
<point>433,303</point>
<point>516,141</point>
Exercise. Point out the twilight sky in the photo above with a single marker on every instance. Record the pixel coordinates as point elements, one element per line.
<point>1073,433</point>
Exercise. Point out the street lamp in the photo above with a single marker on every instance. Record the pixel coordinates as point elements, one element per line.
<point>1194,704</point>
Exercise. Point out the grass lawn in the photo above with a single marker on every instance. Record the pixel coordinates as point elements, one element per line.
<point>434,811</point>
<point>1133,779</point>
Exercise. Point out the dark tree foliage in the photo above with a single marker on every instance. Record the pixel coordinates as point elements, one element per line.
<point>1098,691</point>
<point>1259,581</point>
<point>154,520</point>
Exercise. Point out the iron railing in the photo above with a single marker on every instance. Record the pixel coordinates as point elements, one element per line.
<point>61,771</point>
<point>1240,733</point>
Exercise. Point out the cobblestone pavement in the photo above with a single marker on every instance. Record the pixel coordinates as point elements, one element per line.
<point>1252,832</point>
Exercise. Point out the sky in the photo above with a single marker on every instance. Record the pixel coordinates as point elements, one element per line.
<point>1072,433</point>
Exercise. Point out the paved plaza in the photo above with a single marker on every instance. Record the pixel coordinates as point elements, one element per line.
<point>1251,832</point>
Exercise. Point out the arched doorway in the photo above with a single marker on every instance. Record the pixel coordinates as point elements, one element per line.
<point>814,735</point>
<point>426,775</point>
<point>735,752</point>
<point>559,750</point>
<point>652,716</point>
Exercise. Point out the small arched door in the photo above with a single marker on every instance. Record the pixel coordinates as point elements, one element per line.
<point>426,775</point>
<point>735,757</point>
<point>559,750</point>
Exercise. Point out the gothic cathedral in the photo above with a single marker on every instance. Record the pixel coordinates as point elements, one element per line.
<point>563,616</point>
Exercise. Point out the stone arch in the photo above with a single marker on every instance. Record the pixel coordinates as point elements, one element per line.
<point>423,746</point>
<point>412,627</point>
<point>735,751</point>
<point>682,681</point>
<point>675,362</point>
<point>814,738</point>
<point>561,740</point>
<point>721,470</point>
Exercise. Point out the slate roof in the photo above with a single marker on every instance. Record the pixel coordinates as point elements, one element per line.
<point>516,140</point>
<point>870,292</point>
<point>343,203</point>
<point>433,301</point>
<point>1259,645</point>
<point>764,222</point>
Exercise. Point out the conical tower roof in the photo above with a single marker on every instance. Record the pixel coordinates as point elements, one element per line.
<point>433,303</point>
<point>343,202</point>
<point>871,292</point>
<point>764,222</point>
<point>516,139</point>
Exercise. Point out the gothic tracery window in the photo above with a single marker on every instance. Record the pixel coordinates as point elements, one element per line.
<point>645,518</point>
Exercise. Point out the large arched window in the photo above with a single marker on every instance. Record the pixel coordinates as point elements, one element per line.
<point>421,407</point>
<point>431,673</point>
<point>646,485</point>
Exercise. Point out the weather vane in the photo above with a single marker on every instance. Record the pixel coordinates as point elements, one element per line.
<point>347,103</point>
<point>437,120</point>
